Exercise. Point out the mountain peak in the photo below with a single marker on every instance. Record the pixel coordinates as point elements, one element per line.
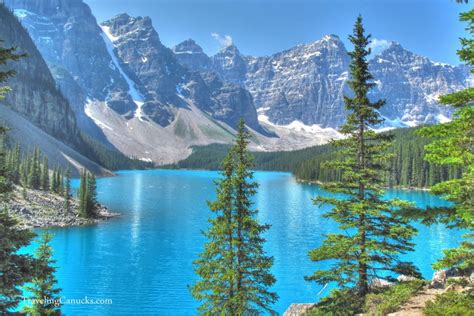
<point>331,37</point>
<point>229,49</point>
<point>395,46</point>
<point>188,46</point>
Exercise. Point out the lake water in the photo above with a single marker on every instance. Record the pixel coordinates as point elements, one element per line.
<point>143,260</point>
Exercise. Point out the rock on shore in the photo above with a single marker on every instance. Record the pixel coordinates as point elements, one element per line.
<point>45,209</point>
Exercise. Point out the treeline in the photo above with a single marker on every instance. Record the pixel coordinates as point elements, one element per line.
<point>107,157</point>
<point>87,195</point>
<point>408,167</point>
<point>32,171</point>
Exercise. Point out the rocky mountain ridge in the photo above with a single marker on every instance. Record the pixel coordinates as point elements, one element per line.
<point>306,83</point>
<point>155,103</point>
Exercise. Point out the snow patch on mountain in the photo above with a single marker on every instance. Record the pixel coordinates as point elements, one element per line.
<point>89,110</point>
<point>137,98</point>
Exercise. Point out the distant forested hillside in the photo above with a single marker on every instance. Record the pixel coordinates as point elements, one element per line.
<point>408,168</point>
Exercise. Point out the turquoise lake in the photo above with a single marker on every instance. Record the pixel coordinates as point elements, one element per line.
<point>142,261</point>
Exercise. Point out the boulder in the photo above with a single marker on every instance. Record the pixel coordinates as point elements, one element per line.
<point>439,279</point>
<point>379,283</point>
<point>406,278</point>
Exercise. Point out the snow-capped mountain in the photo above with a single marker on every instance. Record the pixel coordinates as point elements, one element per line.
<point>306,83</point>
<point>129,90</point>
<point>411,85</point>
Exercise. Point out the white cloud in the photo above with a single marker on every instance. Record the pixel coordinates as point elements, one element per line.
<point>378,45</point>
<point>224,41</point>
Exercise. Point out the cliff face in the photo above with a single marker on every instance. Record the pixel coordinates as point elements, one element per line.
<point>121,63</point>
<point>68,37</point>
<point>307,82</point>
<point>35,95</point>
<point>411,85</point>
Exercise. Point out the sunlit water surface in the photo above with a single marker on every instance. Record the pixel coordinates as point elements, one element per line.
<point>142,261</point>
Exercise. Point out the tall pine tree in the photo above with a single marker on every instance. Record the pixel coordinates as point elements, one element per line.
<point>233,268</point>
<point>67,190</point>
<point>453,145</point>
<point>45,175</point>
<point>372,234</point>
<point>82,194</point>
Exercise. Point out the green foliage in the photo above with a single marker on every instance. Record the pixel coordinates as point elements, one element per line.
<point>7,55</point>
<point>87,195</point>
<point>344,302</point>
<point>407,165</point>
<point>373,234</point>
<point>67,190</point>
<point>34,174</point>
<point>109,158</point>
<point>451,304</point>
<point>388,300</point>
<point>16,269</point>
<point>45,295</point>
<point>32,171</point>
<point>453,145</point>
<point>233,268</point>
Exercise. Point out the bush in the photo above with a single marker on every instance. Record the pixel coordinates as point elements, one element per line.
<point>339,303</point>
<point>451,304</point>
<point>388,300</point>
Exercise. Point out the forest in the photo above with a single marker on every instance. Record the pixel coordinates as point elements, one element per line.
<point>408,167</point>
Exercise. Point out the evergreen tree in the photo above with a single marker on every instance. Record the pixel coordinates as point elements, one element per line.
<point>82,194</point>
<point>43,285</point>
<point>15,269</point>
<point>5,184</point>
<point>15,164</point>
<point>91,195</point>
<point>61,182</point>
<point>67,190</point>
<point>233,268</point>
<point>373,235</point>
<point>7,55</point>
<point>45,175</point>
<point>34,175</point>
<point>453,145</point>
<point>216,264</point>
<point>54,185</point>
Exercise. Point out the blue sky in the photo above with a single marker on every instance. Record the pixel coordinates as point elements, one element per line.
<point>263,27</point>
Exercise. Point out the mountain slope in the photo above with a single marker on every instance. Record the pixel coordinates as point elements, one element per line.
<point>29,136</point>
<point>35,95</point>
<point>135,79</point>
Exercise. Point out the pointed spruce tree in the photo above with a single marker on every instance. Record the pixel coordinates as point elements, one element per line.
<point>252,265</point>
<point>82,194</point>
<point>67,190</point>
<point>216,264</point>
<point>371,235</point>
<point>45,175</point>
<point>453,145</point>
<point>91,195</point>
<point>15,268</point>
<point>44,284</point>
<point>234,270</point>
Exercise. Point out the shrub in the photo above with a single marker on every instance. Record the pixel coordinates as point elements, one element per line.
<point>451,304</point>
<point>388,300</point>
<point>339,303</point>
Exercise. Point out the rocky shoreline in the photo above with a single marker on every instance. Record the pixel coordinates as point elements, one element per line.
<point>45,209</point>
